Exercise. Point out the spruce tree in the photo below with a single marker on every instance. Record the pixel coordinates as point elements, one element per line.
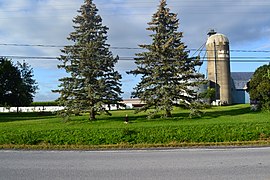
<point>92,82</point>
<point>168,74</point>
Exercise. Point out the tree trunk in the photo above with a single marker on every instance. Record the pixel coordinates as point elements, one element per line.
<point>92,115</point>
<point>168,113</point>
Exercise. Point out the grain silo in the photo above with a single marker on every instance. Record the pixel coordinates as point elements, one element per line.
<point>218,66</point>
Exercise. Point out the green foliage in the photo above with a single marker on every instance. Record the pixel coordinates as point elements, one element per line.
<point>149,135</point>
<point>168,75</point>
<point>10,82</point>
<point>220,124</point>
<point>29,85</point>
<point>195,109</point>
<point>48,103</point>
<point>209,94</point>
<point>259,87</point>
<point>92,81</point>
<point>17,86</point>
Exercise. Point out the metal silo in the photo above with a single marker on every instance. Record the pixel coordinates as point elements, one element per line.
<point>218,66</point>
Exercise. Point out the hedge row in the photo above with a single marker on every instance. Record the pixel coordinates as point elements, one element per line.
<point>151,135</point>
<point>49,103</point>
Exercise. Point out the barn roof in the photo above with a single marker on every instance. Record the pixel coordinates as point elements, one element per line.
<point>240,79</point>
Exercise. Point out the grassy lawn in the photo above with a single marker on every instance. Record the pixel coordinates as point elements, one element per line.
<point>231,125</point>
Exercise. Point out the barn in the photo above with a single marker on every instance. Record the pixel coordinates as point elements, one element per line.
<point>238,87</point>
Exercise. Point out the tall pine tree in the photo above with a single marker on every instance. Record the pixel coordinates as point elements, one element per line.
<point>92,82</point>
<point>168,74</point>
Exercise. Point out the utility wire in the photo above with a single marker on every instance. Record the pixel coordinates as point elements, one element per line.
<point>123,48</point>
<point>233,59</point>
<point>31,45</point>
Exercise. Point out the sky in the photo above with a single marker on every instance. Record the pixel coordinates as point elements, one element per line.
<point>30,29</point>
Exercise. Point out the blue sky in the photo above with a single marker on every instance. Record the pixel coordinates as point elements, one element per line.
<point>49,22</point>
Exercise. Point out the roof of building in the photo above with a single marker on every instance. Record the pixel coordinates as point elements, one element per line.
<point>240,79</point>
<point>132,101</point>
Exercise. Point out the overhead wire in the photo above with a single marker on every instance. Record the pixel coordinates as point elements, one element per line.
<point>127,48</point>
<point>175,4</point>
<point>248,59</point>
<point>233,59</point>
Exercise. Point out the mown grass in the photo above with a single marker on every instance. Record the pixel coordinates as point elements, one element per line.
<point>219,125</point>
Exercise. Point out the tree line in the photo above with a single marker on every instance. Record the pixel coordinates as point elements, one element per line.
<point>168,75</point>
<point>17,85</point>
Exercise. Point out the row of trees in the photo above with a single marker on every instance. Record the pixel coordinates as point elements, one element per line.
<point>168,73</point>
<point>17,86</point>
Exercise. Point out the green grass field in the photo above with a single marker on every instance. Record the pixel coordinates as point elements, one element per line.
<point>230,125</point>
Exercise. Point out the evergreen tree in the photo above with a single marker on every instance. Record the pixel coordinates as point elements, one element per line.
<point>92,82</point>
<point>17,86</point>
<point>168,74</point>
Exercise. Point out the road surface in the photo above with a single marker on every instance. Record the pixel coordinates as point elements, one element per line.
<point>233,163</point>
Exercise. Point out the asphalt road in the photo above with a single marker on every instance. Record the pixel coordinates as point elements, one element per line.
<point>234,163</point>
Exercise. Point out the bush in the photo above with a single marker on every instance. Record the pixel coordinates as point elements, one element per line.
<point>259,87</point>
<point>49,103</point>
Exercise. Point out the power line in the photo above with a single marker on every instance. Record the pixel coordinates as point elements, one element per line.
<point>57,46</point>
<point>123,48</point>
<point>233,59</point>
<point>30,57</point>
<point>31,45</point>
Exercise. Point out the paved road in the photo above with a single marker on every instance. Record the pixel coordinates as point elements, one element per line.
<point>245,163</point>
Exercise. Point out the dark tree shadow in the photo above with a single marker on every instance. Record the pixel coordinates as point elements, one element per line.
<point>231,112</point>
<point>120,117</point>
<point>12,117</point>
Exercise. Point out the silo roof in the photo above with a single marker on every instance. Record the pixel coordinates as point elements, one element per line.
<point>217,38</point>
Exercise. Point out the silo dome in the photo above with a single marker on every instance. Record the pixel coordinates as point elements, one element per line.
<point>217,38</point>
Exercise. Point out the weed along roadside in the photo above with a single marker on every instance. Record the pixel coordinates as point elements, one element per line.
<point>230,125</point>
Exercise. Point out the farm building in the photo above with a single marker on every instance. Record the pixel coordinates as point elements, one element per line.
<point>239,85</point>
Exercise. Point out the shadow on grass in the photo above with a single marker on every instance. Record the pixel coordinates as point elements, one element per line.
<point>178,115</point>
<point>233,110</point>
<point>228,112</point>
<point>11,117</point>
<point>119,116</point>
<point>131,118</point>
<point>142,117</point>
